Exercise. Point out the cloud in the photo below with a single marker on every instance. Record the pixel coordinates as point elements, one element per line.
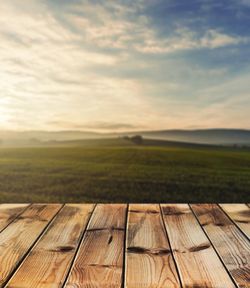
<point>215,39</point>
<point>188,40</point>
<point>126,29</point>
<point>94,126</point>
<point>245,2</point>
<point>47,70</point>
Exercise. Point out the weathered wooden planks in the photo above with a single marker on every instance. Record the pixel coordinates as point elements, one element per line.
<point>240,214</point>
<point>49,262</point>
<point>49,246</point>
<point>18,237</point>
<point>197,262</point>
<point>232,246</point>
<point>149,262</point>
<point>8,212</point>
<point>99,262</point>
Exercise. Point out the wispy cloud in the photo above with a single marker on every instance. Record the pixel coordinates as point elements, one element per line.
<point>100,126</point>
<point>186,39</point>
<point>108,29</point>
<point>245,2</point>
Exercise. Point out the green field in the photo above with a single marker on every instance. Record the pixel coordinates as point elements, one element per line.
<point>118,171</point>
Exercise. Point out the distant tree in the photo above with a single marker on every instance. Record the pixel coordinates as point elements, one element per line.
<point>137,139</point>
<point>34,141</point>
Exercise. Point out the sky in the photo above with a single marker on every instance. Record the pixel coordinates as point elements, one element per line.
<point>124,65</point>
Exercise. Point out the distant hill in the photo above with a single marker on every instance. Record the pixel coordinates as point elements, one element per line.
<point>30,138</point>
<point>122,142</point>
<point>203,136</point>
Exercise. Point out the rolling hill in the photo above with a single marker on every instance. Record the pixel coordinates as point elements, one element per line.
<point>230,137</point>
<point>206,136</point>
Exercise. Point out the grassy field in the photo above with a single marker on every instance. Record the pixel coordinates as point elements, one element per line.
<point>118,171</point>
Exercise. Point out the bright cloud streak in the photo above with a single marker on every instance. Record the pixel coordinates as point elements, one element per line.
<point>105,65</point>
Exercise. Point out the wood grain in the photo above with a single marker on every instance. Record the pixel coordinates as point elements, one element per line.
<point>48,263</point>
<point>149,262</point>
<point>49,246</point>
<point>20,235</point>
<point>230,243</point>
<point>240,214</point>
<point>8,212</point>
<point>198,264</point>
<point>99,262</point>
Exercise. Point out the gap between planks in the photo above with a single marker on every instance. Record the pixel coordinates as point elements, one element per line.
<point>55,250</point>
<point>229,242</point>
<point>197,262</point>
<point>99,261</point>
<point>149,261</point>
<point>30,225</point>
<point>240,215</point>
<point>9,212</point>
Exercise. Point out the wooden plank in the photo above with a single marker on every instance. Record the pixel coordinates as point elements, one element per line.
<point>232,246</point>
<point>240,215</point>
<point>149,262</point>
<point>48,263</point>
<point>197,262</point>
<point>20,235</point>
<point>8,212</point>
<point>100,257</point>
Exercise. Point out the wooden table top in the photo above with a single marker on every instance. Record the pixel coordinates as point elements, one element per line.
<point>120,245</point>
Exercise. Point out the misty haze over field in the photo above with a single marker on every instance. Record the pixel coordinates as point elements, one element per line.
<point>205,136</point>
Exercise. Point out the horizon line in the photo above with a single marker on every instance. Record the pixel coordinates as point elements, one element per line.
<point>117,132</point>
